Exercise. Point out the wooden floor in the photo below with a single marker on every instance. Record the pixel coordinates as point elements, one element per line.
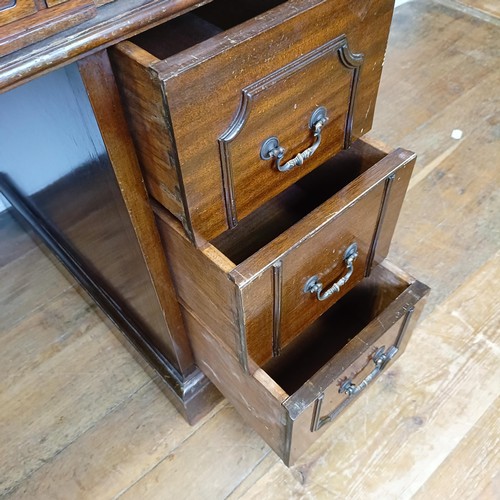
<point>79,418</point>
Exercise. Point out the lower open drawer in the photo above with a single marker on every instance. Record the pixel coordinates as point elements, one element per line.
<point>291,400</point>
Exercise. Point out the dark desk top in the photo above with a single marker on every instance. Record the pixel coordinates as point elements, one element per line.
<point>113,22</point>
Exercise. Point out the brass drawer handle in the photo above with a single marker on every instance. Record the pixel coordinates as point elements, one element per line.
<point>380,358</point>
<point>271,148</point>
<point>314,286</point>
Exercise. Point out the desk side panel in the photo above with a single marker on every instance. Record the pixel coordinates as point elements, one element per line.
<point>53,153</point>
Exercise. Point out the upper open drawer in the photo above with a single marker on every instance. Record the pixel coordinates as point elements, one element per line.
<point>257,286</point>
<point>231,104</point>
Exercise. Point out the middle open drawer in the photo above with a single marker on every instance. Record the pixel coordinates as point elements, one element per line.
<point>259,285</point>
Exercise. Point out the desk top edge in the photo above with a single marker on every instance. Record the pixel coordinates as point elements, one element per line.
<point>114,22</point>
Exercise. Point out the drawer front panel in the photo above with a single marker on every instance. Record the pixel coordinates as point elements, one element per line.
<point>357,377</point>
<point>279,109</point>
<point>316,253</point>
<point>323,256</point>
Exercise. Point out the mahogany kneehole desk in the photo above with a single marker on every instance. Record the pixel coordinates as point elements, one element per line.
<point>274,217</point>
<point>263,217</point>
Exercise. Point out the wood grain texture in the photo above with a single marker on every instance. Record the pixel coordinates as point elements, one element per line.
<point>337,201</point>
<point>282,103</point>
<point>259,470</point>
<point>17,299</point>
<point>452,188</point>
<point>202,282</point>
<point>12,10</point>
<point>360,463</point>
<point>262,311</point>
<point>258,404</point>
<point>108,470</point>
<point>473,464</point>
<point>315,246</point>
<point>232,436</point>
<point>15,243</point>
<point>238,304</point>
<point>281,411</point>
<point>488,6</point>
<point>101,87</point>
<point>142,93</point>
<point>481,8</point>
<point>61,347</point>
<point>68,363</point>
<point>51,3</point>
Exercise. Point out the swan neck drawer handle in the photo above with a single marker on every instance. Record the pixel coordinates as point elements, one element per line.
<point>271,149</point>
<point>380,358</point>
<point>314,286</point>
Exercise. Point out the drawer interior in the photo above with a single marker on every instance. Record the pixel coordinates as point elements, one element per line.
<point>283,211</point>
<point>332,331</point>
<point>188,30</point>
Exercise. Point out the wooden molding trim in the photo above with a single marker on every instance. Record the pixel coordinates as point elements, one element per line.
<point>114,22</point>
<point>44,23</point>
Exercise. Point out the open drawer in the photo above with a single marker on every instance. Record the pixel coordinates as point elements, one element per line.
<point>293,399</point>
<point>259,285</point>
<point>234,102</point>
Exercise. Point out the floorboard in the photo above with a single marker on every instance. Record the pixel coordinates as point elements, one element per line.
<point>472,469</point>
<point>101,463</point>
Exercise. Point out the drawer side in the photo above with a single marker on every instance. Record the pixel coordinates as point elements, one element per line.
<point>148,118</point>
<point>258,402</point>
<point>201,277</point>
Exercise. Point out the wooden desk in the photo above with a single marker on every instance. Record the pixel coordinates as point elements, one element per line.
<point>95,215</point>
